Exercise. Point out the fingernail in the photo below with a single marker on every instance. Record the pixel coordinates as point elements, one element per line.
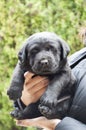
<point>26,73</point>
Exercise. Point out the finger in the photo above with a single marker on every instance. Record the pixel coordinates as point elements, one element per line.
<point>28,75</point>
<point>26,122</point>
<point>27,98</point>
<point>37,87</point>
<point>39,122</point>
<point>38,94</point>
<point>30,83</point>
<point>32,97</point>
<point>34,80</point>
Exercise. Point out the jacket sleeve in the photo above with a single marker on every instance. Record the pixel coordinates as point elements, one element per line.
<point>78,107</point>
<point>77,62</point>
<point>69,123</point>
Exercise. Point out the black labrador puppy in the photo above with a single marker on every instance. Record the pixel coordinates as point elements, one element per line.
<point>44,54</point>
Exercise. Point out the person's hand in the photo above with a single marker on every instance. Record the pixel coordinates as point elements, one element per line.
<point>41,122</point>
<point>34,87</point>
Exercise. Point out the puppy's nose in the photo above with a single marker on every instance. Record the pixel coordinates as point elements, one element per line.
<point>44,62</point>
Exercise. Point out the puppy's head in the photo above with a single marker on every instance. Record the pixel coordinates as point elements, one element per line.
<point>44,53</point>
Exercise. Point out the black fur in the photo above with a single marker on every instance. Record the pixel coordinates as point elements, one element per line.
<point>44,54</point>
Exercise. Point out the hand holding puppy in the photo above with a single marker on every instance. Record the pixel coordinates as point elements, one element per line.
<point>34,87</point>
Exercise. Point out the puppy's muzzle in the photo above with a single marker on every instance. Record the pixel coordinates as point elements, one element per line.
<point>42,66</point>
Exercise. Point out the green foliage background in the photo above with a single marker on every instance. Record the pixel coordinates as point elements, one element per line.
<point>21,18</point>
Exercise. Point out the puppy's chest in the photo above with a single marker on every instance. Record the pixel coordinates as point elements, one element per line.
<point>66,87</point>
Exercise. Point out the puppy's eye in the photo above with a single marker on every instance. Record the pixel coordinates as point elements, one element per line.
<point>51,48</point>
<point>34,51</point>
<point>48,48</point>
<point>54,50</point>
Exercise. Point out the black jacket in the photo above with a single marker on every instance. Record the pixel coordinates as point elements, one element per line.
<point>77,115</point>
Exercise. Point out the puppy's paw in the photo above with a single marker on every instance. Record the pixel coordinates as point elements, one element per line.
<point>14,93</point>
<point>14,113</point>
<point>47,103</point>
<point>17,114</point>
<point>46,111</point>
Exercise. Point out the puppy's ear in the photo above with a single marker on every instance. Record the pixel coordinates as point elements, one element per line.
<point>64,49</point>
<point>22,54</point>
